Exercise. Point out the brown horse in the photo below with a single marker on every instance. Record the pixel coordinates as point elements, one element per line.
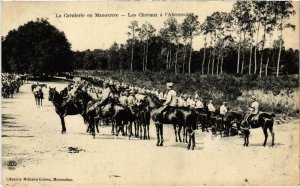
<point>57,100</point>
<point>265,121</point>
<point>39,96</point>
<point>177,116</point>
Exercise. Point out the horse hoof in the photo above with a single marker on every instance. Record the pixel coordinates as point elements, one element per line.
<point>157,144</point>
<point>161,144</point>
<point>193,148</point>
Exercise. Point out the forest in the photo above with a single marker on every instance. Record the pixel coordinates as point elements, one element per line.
<point>247,40</point>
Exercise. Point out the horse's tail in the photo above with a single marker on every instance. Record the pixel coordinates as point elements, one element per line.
<point>273,115</point>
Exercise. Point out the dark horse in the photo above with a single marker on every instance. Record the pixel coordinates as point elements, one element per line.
<point>177,116</point>
<point>57,101</point>
<point>263,120</point>
<point>39,96</point>
<point>111,110</point>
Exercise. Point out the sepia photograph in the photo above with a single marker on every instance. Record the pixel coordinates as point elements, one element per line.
<point>150,93</point>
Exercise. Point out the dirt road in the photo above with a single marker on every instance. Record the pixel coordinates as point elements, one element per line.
<point>31,139</point>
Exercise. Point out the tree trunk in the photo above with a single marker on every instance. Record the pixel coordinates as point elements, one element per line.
<point>218,65</point>
<point>131,60</point>
<point>238,61</point>
<point>208,62</point>
<point>167,64</point>
<point>213,64</point>
<point>269,54</point>
<point>279,54</point>
<point>176,59</point>
<point>190,58</point>
<point>222,61</point>
<point>255,49</point>
<point>203,61</point>
<point>250,59</point>
<point>146,55</point>
<point>243,62</point>
<point>170,62</point>
<point>184,56</point>
<point>262,52</point>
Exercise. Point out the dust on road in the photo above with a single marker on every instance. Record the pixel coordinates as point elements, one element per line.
<point>31,137</point>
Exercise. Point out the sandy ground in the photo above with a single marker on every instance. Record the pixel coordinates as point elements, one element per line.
<point>31,137</point>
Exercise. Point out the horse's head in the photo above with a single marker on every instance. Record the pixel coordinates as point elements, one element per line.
<point>51,93</point>
<point>153,101</point>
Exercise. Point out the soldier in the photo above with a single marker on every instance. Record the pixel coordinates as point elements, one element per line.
<point>253,109</point>
<point>124,99</point>
<point>223,109</point>
<point>180,101</point>
<point>106,94</point>
<point>171,100</point>
<point>199,104</point>
<point>211,107</point>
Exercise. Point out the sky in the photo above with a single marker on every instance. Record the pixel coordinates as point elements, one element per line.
<point>100,32</point>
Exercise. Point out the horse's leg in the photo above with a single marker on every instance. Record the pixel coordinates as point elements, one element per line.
<point>161,134</point>
<point>157,133</point>
<point>190,139</point>
<point>141,130</point>
<point>266,135</point>
<point>148,132</point>
<point>175,131</point>
<point>186,135</point>
<point>193,139</point>
<point>184,132</point>
<point>179,131</point>
<point>130,129</point>
<point>112,129</point>
<point>97,125</point>
<point>62,120</point>
<point>272,134</point>
<point>145,132</point>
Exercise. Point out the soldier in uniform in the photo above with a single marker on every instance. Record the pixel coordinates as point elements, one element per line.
<point>171,100</point>
<point>223,109</point>
<point>253,109</point>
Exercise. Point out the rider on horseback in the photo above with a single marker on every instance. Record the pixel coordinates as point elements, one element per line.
<point>68,98</point>
<point>252,110</point>
<point>106,93</point>
<point>171,100</point>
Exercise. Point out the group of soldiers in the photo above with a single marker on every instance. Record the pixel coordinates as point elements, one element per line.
<point>129,95</point>
<point>10,83</point>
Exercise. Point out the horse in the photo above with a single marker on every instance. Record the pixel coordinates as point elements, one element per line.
<point>39,96</point>
<point>57,100</point>
<point>85,99</point>
<point>33,86</point>
<point>177,116</point>
<point>230,119</point>
<point>112,110</point>
<point>203,118</point>
<point>265,121</point>
<point>143,118</point>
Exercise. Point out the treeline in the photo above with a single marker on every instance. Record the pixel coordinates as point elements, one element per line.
<point>246,40</point>
<point>241,42</point>
<point>38,48</point>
